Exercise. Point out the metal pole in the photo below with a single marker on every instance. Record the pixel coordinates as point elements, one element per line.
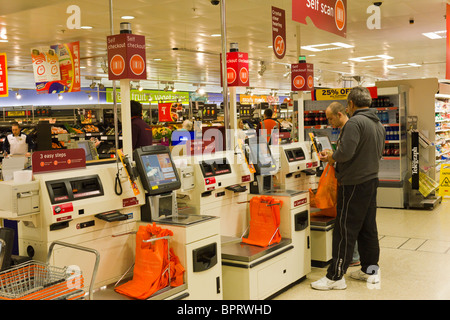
<point>224,71</point>
<point>116,121</point>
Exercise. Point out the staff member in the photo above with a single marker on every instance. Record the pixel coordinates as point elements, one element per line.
<point>141,132</point>
<point>17,143</point>
<point>267,126</point>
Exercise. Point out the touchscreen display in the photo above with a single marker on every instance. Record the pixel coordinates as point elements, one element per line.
<point>158,169</point>
<point>324,142</point>
<point>260,153</point>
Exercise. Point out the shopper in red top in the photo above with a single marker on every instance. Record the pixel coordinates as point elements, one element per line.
<point>266,127</point>
<point>141,132</point>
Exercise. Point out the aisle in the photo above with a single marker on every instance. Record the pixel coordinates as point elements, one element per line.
<point>414,261</point>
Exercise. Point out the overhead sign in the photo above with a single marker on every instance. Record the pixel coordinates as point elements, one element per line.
<point>327,15</point>
<point>126,57</point>
<point>302,77</point>
<point>237,69</point>
<point>57,68</point>
<point>146,96</point>
<point>3,76</point>
<point>57,160</point>
<point>338,93</point>
<point>279,32</point>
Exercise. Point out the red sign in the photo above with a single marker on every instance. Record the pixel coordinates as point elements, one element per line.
<point>62,208</point>
<point>302,77</point>
<point>328,15</point>
<point>279,32</point>
<point>237,69</point>
<point>167,112</point>
<point>126,57</point>
<point>3,76</point>
<point>57,160</point>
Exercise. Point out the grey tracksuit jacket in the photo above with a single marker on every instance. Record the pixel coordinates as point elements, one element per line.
<point>360,148</point>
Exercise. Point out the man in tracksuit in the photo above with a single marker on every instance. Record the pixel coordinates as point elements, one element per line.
<point>357,158</point>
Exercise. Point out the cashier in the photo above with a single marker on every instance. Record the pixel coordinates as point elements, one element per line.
<point>17,143</point>
<point>141,132</point>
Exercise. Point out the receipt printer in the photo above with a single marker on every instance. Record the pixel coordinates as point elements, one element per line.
<point>20,199</point>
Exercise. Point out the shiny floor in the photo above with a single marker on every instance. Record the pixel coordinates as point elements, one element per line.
<point>414,261</point>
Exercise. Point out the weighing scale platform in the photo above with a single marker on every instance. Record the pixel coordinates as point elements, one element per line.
<point>239,251</point>
<point>108,293</point>
<point>183,219</point>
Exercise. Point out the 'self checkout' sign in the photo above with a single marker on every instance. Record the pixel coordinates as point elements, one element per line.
<point>126,57</point>
<point>237,69</point>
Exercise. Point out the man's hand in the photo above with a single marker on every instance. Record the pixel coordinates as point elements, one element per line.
<point>327,156</point>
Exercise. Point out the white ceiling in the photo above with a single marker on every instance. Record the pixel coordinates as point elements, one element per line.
<point>188,24</point>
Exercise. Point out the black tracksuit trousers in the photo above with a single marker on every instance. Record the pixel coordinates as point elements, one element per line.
<point>355,220</point>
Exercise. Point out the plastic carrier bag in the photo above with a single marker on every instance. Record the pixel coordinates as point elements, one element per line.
<point>326,196</point>
<point>264,221</point>
<point>151,265</point>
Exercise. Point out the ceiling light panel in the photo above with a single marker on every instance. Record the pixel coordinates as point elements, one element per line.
<point>371,58</point>
<point>327,46</point>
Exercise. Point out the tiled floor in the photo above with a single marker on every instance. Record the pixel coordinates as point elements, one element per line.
<point>414,261</point>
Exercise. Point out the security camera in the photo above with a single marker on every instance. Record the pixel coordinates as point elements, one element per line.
<point>411,21</point>
<point>215,2</point>
<point>378,3</point>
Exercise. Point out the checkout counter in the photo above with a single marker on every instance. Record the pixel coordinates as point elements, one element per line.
<point>196,238</point>
<point>255,272</point>
<point>80,207</point>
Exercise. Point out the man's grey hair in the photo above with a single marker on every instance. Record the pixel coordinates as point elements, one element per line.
<point>360,97</point>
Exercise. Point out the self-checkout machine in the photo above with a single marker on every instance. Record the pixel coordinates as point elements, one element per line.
<point>70,202</point>
<point>322,227</point>
<point>253,272</point>
<point>298,165</point>
<point>220,182</point>
<point>196,238</point>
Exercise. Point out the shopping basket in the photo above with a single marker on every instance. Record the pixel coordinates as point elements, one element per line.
<point>34,280</point>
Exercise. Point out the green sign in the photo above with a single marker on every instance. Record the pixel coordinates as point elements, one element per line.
<point>155,95</point>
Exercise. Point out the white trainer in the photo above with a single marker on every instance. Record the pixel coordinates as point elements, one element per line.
<point>370,278</point>
<point>327,284</point>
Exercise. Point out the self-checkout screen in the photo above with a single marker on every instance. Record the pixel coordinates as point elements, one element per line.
<point>158,169</point>
<point>260,154</point>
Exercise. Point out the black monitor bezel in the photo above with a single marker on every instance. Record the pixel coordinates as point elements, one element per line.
<point>154,150</point>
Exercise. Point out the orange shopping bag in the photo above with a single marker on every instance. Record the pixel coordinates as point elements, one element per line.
<point>326,196</point>
<point>264,221</point>
<point>151,264</point>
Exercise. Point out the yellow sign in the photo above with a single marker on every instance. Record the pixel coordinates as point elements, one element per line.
<point>332,94</point>
<point>444,181</point>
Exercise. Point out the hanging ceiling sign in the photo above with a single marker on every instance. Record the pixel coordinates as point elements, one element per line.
<point>3,76</point>
<point>302,77</point>
<point>327,15</point>
<point>126,57</point>
<point>237,69</point>
<point>338,93</point>
<point>57,68</point>
<point>279,32</point>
